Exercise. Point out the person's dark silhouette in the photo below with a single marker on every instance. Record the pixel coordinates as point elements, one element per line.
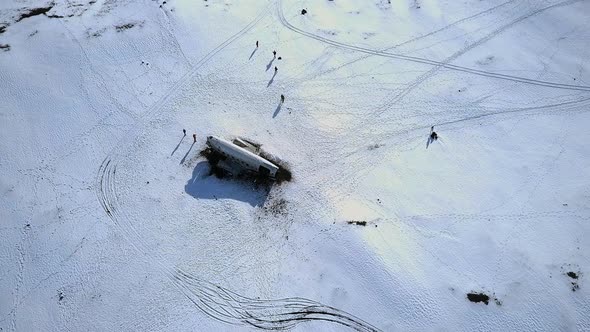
<point>274,54</point>
<point>257,44</point>
<point>184,132</point>
<point>194,138</point>
<point>276,69</point>
<point>282,99</point>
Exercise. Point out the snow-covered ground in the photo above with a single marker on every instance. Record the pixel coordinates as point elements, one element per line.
<point>110,222</point>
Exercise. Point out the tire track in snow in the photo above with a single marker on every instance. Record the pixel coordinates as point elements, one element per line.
<point>422,78</point>
<point>435,63</point>
<point>409,41</point>
<point>217,302</point>
<point>405,136</point>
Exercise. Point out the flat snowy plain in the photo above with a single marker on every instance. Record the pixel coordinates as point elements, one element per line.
<point>110,222</point>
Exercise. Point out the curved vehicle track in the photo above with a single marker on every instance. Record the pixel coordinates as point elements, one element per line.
<point>217,302</point>
<point>435,63</point>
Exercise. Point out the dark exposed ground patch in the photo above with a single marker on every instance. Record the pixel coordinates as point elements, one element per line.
<point>34,12</point>
<point>122,27</point>
<point>276,207</point>
<point>374,146</point>
<point>478,297</point>
<point>96,33</point>
<point>574,283</point>
<point>2,28</point>
<point>5,47</point>
<point>127,26</point>
<point>486,61</point>
<point>357,222</point>
<point>572,271</point>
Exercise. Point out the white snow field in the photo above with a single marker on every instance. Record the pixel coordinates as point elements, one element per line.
<point>110,221</point>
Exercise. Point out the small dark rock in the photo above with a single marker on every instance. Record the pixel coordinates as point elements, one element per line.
<point>303,12</point>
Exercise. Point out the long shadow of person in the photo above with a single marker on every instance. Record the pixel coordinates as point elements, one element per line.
<point>251,55</point>
<point>270,64</point>
<point>189,150</point>
<point>272,79</point>
<point>277,110</point>
<point>176,148</point>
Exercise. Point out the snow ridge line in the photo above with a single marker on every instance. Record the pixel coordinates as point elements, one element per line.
<point>426,61</point>
<point>217,302</point>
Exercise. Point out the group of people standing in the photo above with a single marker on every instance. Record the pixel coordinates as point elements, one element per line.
<point>194,136</point>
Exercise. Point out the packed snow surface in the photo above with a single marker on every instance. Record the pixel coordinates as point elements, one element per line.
<point>111,221</point>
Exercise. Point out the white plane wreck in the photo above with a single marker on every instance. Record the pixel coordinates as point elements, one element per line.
<point>243,156</point>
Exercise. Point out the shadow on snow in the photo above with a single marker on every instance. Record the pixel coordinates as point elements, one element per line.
<point>205,185</point>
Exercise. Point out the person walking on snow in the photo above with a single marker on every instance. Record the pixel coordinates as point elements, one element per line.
<point>194,138</point>
<point>276,69</point>
<point>433,134</point>
<point>184,132</point>
<point>257,44</point>
<point>274,53</point>
<point>282,99</point>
